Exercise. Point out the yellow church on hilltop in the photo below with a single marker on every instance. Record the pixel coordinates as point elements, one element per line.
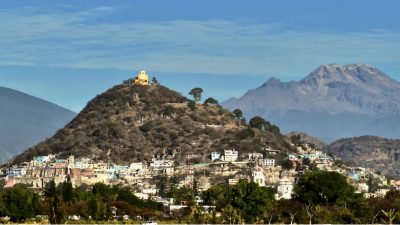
<point>142,78</point>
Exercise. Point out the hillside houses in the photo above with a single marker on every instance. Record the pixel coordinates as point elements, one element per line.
<point>227,166</point>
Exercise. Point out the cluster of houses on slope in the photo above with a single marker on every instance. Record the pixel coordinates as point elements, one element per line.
<point>260,168</point>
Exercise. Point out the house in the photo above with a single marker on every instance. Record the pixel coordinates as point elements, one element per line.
<point>257,176</point>
<point>215,156</point>
<point>255,156</point>
<point>362,187</point>
<point>269,162</point>
<point>284,189</point>
<point>160,164</point>
<point>233,181</point>
<point>16,171</point>
<point>271,151</point>
<point>230,155</point>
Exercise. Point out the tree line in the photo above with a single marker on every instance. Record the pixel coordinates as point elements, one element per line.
<point>319,197</point>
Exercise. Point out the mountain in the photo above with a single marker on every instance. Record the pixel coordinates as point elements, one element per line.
<point>26,120</point>
<point>131,122</point>
<point>332,102</point>
<point>380,154</point>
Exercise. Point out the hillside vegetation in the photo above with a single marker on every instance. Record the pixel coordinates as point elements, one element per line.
<point>132,122</point>
<point>379,154</point>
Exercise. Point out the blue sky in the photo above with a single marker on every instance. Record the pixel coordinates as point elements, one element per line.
<point>69,51</point>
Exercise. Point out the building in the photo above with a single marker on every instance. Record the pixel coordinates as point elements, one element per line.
<point>16,171</point>
<point>231,155</point>
<point>284,189</point>
<point>255,156</point>
<point>215,156</point>
<point>258,177</point>
<point>160,164</point>
<point>142,78</point>
<point>269,162</point>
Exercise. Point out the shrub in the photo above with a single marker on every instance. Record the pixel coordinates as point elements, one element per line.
<point>147,127</point>
<point>192,105</point>
<point>211,101</point>
<point>246,133</point>
<point>169,110</point>
<point>257,122</point>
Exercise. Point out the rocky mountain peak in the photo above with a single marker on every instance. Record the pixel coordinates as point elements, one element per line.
<point>329,95</point>
<point>361,75</point>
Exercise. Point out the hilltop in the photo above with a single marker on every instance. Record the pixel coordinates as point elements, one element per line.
<point>134,122</point>
<point>26,120</point>
<point>332,102</point>
<point>379,154</point>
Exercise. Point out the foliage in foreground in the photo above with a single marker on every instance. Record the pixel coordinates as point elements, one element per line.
<point>319,197</point>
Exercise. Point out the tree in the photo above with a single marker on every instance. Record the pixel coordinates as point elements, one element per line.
<point>66,190</point>
<point>169,110</point>
<point>290,208</point>
<point>251,199</point>
<point>237,113</point>
<point>192,105</point>
<point>257,122</point>
<point>323,187</point>
<point>231,215</point>
<point>18,203</point>
<point>287,164</point>
<point>306,161</point>
<point>56,215</point>
<point>196,93</point>
<point>310,209</point>
<point>211,101</point>
<point>154,81</point>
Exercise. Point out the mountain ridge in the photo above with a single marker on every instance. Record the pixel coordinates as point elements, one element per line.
<point>356,91</point>
<point>377,153</point>
<point>26,120</point>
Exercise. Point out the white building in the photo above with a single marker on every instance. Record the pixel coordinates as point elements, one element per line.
<point>233,181</point>
<point>231,155</point>
<point>284,189</point>
<point>16,171</point>
<point>215,156</point>
<point>362,187</point>
<point>258,177</point>
<point>269,162</point>
<point>160,164</point>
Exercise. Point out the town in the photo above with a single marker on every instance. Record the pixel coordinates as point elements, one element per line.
<point>225,166</point>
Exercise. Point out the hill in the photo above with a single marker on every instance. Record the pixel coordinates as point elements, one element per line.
<point>26,120</point>
<point>332,102</point>
<point>377,153</point>
<point>305,138</point>
<point>133,122</point>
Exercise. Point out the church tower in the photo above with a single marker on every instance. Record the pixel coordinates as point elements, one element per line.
<point>142,78</point>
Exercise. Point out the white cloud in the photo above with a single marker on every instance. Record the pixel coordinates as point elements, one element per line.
<point>78,40</point>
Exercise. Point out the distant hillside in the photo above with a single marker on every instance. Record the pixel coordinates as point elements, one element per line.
<point>132,122</point>
<point>26,120</point>
<point>332,102</point>
<point>373,152</point>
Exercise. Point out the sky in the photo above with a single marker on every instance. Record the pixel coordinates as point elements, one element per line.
<point>68,51</point>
